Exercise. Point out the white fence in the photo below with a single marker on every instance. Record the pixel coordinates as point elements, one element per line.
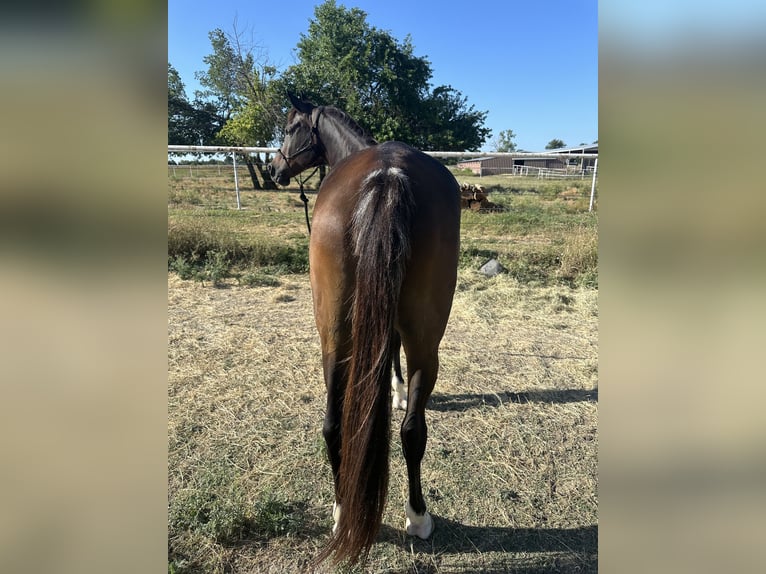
<point>517,170</point>
<point>571,172</point>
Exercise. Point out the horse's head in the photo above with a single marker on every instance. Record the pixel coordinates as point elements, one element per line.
<point>301,148</point>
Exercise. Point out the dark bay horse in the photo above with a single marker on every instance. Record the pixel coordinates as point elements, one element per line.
<point>383,264</point>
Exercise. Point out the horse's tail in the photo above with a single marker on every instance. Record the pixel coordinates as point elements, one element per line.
<point>380,235</point>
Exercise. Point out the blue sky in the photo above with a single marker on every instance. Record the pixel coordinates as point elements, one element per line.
<point>532,65</point>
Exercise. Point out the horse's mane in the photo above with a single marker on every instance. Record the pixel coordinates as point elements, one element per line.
<point>348,122</point>
<point>342,118</point>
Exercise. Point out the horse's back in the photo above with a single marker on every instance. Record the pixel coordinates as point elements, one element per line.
<point>431,269</point>
<point>435,191</point>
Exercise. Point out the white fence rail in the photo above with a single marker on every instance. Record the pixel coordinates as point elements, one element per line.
<point>245,149</point>
<point>572,172</point>
<point>516,170</point>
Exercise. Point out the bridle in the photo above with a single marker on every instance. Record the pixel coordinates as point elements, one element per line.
<point>310,144</point>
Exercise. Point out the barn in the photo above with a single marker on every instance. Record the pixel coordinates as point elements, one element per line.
<point>587,162</point>
<point>494,165</point>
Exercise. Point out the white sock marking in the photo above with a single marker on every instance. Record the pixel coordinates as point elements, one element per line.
<point>418,525</point>
<point>399,400</point>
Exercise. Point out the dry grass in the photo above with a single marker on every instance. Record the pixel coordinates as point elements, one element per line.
<point>511,465</point>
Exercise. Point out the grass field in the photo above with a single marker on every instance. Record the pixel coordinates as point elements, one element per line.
<point>510,472</point>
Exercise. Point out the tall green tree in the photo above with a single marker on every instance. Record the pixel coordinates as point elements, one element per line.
<point>555,144</point>
<point>189,123</point>
<point>504,141</point>
<point>380,82</point>
<point>240,84</point>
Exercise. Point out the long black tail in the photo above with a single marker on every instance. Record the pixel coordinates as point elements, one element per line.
<point>381,241</point>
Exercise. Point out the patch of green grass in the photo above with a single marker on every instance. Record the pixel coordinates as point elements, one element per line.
<point>275,517</point>
<point>182,266</point>
<point>214,505</point>
<point>536,266</point>
<point>212,247</point>
<point>258,279</point>
<point>540,237</point>
<point>216,267</point>
<point>214,510</point>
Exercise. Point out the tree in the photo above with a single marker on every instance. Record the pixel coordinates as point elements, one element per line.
<point>189,123</point>
<point>504,141</point>
<point>240,84</point>
<point>555,144</point>
<point>222,77</point>
<point>345,62</point>
<point>450,124</point>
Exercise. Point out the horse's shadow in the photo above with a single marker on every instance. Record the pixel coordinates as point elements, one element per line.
<point>574,549</point>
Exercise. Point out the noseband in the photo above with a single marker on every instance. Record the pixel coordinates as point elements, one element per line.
<point>309,145</point>
<point>312,143</point>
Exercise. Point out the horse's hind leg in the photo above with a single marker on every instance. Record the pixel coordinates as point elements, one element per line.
<point>334,373</point>
<point>414,432</point>
<point>399,397</point>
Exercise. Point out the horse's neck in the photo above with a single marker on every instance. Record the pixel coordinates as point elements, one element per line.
<point>340,140</point>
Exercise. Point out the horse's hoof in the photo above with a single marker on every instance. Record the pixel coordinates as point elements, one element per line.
<point>335,516</point>
<point>418,525</point>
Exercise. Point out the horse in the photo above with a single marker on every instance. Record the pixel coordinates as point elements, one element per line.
<point>383,256</point>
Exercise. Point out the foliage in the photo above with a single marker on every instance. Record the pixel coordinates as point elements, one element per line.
<point>204,249</point>
<point>555,144</point>
<point>504,141</point>
<point>342,61</point>
<point>447,122</point>
<point>216,505</point>
<point>189,123</point>
<point>241,86</point>
<point>378,80</point>
<point>223,79</point>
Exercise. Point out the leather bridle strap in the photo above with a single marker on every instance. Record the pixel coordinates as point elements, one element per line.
<point>312,143</point>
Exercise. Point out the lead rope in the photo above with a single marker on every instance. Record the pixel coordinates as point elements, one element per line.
<point>305,199</point>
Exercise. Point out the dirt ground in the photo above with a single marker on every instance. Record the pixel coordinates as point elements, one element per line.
<point>510,472</point>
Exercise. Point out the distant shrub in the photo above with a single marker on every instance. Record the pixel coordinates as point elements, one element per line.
<point>204,252</point>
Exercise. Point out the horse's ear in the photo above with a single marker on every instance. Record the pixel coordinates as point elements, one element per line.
<point>299,104</point>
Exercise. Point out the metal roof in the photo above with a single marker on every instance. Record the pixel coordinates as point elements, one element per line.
<point>477,159</point>
<point>576,149</point>
<point>581,149</point>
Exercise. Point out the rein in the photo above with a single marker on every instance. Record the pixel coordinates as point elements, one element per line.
<point>305,199</point>
<point>309,145</point>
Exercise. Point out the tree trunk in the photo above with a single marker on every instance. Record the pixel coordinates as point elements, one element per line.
<point>253,176</point>
<point>268,183</point>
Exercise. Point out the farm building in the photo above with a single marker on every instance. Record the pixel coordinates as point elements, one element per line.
<point>587,162</point>
<point>493,165</point>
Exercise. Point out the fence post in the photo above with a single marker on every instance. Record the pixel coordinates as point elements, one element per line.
<point>593,185</point>
<point>236,180</point>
